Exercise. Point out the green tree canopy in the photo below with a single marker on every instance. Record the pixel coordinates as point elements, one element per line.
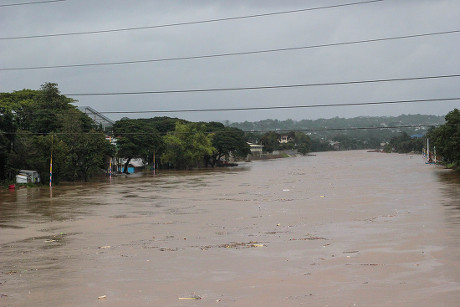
<point>136,139</point>
<point>446,138</point>
<point>187,146</point>
<point>403,143</point>
<point>7,130</point>
<point>302,142</point>
<point>226,141</point>
<point>270,141</point>
<point>44,122</point>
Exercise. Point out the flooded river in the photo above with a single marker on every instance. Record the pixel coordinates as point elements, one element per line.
<point>335,229</point>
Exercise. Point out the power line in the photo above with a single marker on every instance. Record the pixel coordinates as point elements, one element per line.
<point>190,22</point>
<point>282,107</point>
<point>27,3</point>
<point>266,87</point>
<point>227,131</point>
<point>206,56</point>
<point>259,108</point>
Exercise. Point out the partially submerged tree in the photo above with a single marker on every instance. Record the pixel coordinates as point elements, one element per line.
<point>446,138</point>
<point>135,139</point>
<point>302,143</point>
<point>45,122</point>
<point>226,141</point>
<point>270,141</point>
<point>187,146</point>
<point>7,130</point>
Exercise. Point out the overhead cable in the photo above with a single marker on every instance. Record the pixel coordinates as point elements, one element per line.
<point>216,55</point>
<point>27,3</point>
<point>266,87</point>
<point>230,131</point>
<point>190,22</point>
<point>281,107</point>
<point>257,108</point>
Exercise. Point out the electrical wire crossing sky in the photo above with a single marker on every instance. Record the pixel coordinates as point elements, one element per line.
<point>263,57</point>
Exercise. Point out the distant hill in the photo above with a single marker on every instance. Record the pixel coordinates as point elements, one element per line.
<point>361,132</point>
<point>337,123</point>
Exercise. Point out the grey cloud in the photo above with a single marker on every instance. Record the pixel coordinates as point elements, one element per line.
<point>402,58</point>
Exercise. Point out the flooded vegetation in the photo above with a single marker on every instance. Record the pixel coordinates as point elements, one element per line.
<point>337,229</point>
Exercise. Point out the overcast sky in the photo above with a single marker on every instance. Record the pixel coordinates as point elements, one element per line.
<point>406,58</point>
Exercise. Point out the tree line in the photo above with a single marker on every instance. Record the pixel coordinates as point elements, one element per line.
<point>38,127</point>
<point>445,138</point>
<point>178,143</point>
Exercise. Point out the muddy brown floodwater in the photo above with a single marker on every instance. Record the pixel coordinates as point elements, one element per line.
<point>335,229</point>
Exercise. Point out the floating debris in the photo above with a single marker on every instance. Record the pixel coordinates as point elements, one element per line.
<point>309,237</point>
<point>238,245</point>
<point>371,264</point>
<point>163,249</point>
<point>195,297</point>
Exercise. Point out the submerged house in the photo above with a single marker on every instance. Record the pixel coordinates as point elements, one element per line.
<point>135,163</point>
<point>27,176</point>
<point>256,149</point>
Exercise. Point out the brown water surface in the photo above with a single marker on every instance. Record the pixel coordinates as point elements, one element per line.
<point>335,229</point>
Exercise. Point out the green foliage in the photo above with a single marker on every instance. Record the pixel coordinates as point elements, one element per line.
<point>302,142</point>
<point>187,146</point>
<point>341,123</point>
<point>403,143</point>
<point>318,144</point>
<point>324,130</point>
<point>48,105</point>
<point>270,141</point>
<point>43,123</point>
<point>163,124</point>
<point>87,148</point>
<point>226,141</point>
<point>295,140</point>
<point>183,144</point>
<point>446,138</point>
<point>387,148</point>
<point>7,128</point>
<point>286,146</point>
<point>136,138</point>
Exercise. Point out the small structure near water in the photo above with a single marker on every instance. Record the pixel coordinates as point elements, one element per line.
<point>27,176</point>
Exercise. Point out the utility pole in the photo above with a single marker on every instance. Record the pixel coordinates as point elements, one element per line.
<point>51,160</point>
<point>154,164</point>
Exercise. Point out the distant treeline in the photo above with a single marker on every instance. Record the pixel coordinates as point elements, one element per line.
<point>348,133</point>
<point>326,125</point>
